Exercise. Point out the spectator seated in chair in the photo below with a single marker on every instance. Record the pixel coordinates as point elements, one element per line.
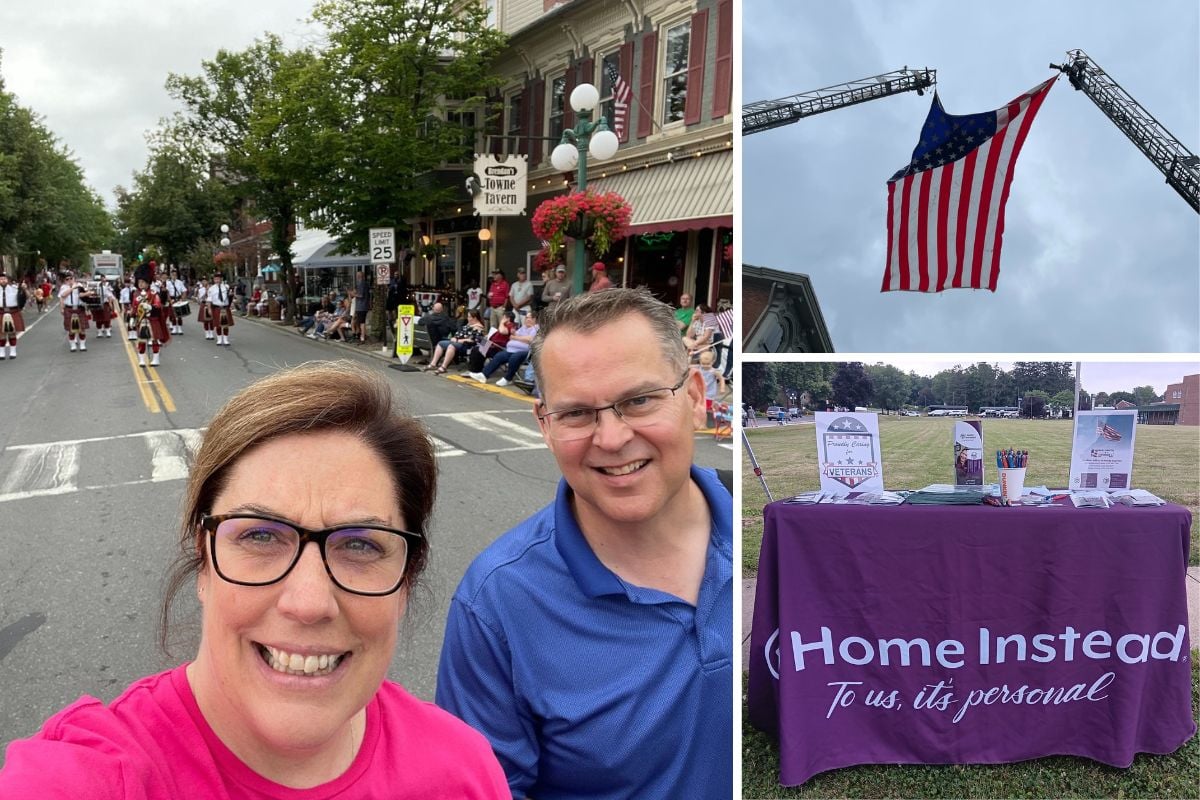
<point>514,353</point>
<point>467,337</point>
<point>437,325</point>
<point>699,336</point>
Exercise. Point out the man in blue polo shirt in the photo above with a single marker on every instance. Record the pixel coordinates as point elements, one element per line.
<point>593,643</point>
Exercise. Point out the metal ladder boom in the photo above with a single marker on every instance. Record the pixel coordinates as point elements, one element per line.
<point>769,114</point>
<point>1180,166</point>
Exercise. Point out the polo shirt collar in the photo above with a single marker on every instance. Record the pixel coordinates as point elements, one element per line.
<point>596,580</point>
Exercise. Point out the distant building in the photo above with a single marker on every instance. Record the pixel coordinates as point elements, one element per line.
<point>1180,406</point>
<point>780,313</point>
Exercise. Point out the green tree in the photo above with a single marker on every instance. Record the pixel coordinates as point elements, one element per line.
<point>1117,397</point>
<point>1033,403</point>
<point>891,386</point>
<point>1145,395</point>
<point>1063,399</point>
<point>851,385</point>
<point>758,384</point>
<point>385,86</point>
<point>806,377</point>
<point>244,110</point>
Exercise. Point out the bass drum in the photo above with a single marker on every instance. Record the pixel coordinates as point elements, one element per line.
<point>183,308</point>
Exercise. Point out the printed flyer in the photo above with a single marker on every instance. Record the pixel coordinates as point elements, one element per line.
<point>968,453</point>
<point>1102,453</point>
<point>849,453</point>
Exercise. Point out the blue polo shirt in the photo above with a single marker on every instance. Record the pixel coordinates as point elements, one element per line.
<point>589,686</point>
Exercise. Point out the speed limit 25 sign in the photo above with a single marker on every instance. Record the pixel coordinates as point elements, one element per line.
<point>383,245</point>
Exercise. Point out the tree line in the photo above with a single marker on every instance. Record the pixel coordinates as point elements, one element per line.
<point>48,213</point>
<point>345,135</point>
<point>1032,386</point>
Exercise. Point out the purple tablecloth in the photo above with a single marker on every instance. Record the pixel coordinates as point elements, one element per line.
<point>977,634</point>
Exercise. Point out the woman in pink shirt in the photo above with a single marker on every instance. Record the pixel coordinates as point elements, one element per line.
<point>303,578</point>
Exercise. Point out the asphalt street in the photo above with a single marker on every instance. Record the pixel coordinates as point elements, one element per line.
<point>93,462</point>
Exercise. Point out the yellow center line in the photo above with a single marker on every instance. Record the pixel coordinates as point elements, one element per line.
<point>161,387</point>
<point>139,376</point>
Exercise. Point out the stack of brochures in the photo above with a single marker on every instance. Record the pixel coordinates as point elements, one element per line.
<point>853,498</point>
<point>1092,498</point>
<point>943,494</point>
<point>1136,497</point>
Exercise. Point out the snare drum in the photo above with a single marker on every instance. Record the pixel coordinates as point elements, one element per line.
<point>183,308</point>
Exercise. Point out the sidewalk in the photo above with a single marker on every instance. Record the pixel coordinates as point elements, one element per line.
<point>377,351</point>
<point>1193,604</point>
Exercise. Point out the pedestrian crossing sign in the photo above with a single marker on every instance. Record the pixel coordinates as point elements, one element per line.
<point>405,328</point>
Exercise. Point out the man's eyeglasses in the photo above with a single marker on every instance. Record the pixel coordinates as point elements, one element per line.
<point>257,550</point>
<point>639,411</point>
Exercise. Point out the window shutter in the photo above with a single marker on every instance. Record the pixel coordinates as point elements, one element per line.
<point>649,75</point>
<point>568,112</point>
<point>625,66</point>
<point>723,75</point>
<point>537,114</point>
<point>695,71</point>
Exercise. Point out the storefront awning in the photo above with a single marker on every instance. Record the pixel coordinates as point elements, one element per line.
<point>688,194</point>
<point>324,258</point>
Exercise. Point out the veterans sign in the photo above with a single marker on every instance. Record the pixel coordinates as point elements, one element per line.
<point>501,185</point>
<point>848,452</point>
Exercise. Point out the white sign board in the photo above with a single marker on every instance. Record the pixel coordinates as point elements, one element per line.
<point>383,273</point>
<point>501,185</point>
<point>382,245</point>
<point>1102,450</point>
<point>848,451</point>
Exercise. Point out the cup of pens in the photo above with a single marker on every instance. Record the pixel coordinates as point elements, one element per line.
<point>1011,464</point>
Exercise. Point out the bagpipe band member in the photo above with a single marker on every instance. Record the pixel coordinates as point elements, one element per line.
<point>151,325</point>
<point>102,312</point>
<point>219,297</point>
<point>11,321</point>
<point>75,316</point>
<point>128,312</point>
<point>205,315</point>
<point>177,291</point>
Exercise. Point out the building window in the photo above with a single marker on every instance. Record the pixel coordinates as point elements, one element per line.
<point>558,105</point>
<point>464,121</point>
<point>490,5</point>
<point>675,66</point>
<point>513,129</point>
<point>609,65</point>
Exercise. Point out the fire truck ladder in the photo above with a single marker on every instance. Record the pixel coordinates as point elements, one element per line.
<point>786,110</point>
<point>1173,160</point>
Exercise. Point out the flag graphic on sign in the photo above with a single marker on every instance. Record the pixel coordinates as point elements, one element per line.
<point>1107,431</point>
<point>621,95</point>
<point>945,214</point>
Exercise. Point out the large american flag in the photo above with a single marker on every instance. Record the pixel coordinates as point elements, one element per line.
<point>1107,431</point>
<point>621,95</point>
<point>945,214</point>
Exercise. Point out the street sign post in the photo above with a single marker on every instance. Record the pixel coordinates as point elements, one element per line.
<point>382,243</point>
<point>382,274</point>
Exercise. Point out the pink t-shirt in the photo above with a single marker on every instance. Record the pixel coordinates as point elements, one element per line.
<point>152,743</point>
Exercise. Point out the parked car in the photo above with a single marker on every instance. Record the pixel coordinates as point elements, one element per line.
<point>794,412</point>
<point>777,413</point>
<point>908,412</point>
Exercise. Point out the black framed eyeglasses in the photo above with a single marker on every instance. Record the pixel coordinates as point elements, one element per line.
<point>640,410</point>
<point>258,550</point>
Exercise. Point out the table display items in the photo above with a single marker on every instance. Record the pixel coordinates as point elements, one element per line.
<point>968,452</point>
<point>849,452</point>
<point>1102,449</point>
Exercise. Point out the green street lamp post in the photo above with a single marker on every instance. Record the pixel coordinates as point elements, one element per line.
<point>586,137</point>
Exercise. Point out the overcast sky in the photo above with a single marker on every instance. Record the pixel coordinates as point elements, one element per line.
<point>95,69</point>
<point>1099,254</point>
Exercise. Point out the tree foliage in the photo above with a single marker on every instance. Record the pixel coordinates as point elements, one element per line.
<point>852,385</point>
<point>758,384</point>
<point>46,206</point>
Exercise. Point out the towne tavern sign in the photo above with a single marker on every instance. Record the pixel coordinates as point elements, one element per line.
<point>501,185</point>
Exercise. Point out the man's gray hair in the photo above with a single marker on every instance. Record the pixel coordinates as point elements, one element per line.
<point>591,312</point>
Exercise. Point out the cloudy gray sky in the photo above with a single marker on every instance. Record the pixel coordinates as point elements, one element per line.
<point>1099,254</point>
<point>95,69</point>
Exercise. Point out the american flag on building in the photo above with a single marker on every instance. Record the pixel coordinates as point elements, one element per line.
<point>945,214</point>
<point>621,95</point>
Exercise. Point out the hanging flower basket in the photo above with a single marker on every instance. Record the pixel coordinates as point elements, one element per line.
<point>601,219</point>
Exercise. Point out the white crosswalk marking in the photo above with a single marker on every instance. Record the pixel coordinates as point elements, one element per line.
<point>51,469</point>
<point>166,460</point>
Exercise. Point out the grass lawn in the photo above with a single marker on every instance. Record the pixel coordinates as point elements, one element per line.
<point>1175,775</point>
<point>917,452</point>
